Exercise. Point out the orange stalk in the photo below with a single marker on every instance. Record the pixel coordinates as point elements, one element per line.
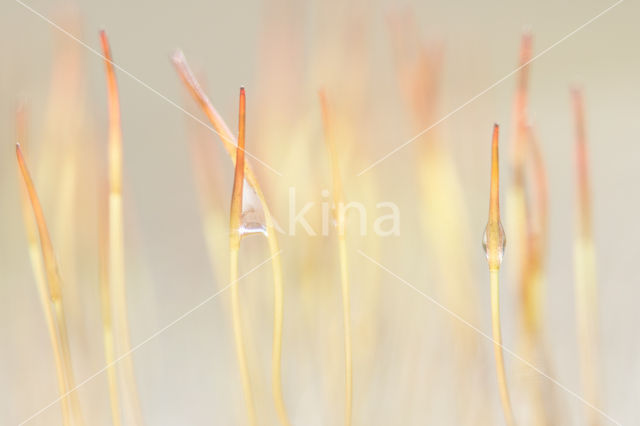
<point>228,141</point>
<point>494,242</point>
<point>235,236</point>
<point>115,253</point>
<point>55,285</point>
<point>41,280</point>
<point>494,193</point>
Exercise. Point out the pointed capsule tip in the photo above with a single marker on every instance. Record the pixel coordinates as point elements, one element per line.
<point>494,239</point>
<point>103,39</point>
<point>177,57</point>
<point>494,203</point>
<point>242,103</point>
<point>106,49</point>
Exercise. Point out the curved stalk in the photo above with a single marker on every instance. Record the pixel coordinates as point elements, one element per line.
<point>338,199</point>
<point>228,140</point>
<point>497,346</point>
<point>238,335</point>
<point>41,282</point>
<point>55,288</point>
<point>494,243</point>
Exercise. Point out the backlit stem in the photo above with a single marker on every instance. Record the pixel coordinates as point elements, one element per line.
<point>338,200</point>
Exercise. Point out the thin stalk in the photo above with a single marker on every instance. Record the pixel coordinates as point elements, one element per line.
<point>527,225</point>
<point>41,283</point>
<point>228,141</point>
<point>520,218</point>
<point>497,346</point>
<point>278,307</point>
<point>235,237</point>
<point>520,106</point>
<point>105,306</point>
<point>115,253</point>
<point>533,281</point>
<point>519,212</point>
<point>585,266</point>
<point>338,199</point>
<point>55,287</point>
<point>494,241</point>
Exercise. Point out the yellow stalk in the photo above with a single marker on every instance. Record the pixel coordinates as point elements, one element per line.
<point>105,305</point>
<point>419,68</point>
<point>585,267</point>
<point>338,199</point>
<point>497,346</point>
<point>234,248</point>
<point>115,252</point>
<point>228,141</point>
<point>55,288</point>
<point>533,282</point>
<point>494,242</point>
<point>41,284</point>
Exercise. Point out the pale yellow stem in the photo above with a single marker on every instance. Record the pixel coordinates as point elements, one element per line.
<point>346,316</point>
<point>585,266</point>
<point>41,285</point>
<point>238,336</point>
<point>228,141</point>
<point>66,358</point>
<point>107,320</point>
<point>497,346</point>
<point>338,199</point>
<point>116,255</point>
<point>234,249</point>
<point>586,290</point>
<point>278,305</point>
<point>55,286</point>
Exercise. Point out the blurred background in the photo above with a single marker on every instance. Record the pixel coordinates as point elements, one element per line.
<point>389,69</point>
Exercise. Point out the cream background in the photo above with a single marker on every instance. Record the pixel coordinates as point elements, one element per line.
<point>187,376</point>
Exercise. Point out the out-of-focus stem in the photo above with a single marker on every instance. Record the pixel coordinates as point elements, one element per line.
<point>338,199</point>
<point>55,287</point>
<point>520,106</point>
<point>105,306</point>
<point>527,235</point>
<point>518,210</point>
<point>228,141</point>
<point>115,254</point>
<point>41,284</point>
<point>585,266</point>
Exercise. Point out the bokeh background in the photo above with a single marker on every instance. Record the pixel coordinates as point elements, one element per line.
<point>408,352</point>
